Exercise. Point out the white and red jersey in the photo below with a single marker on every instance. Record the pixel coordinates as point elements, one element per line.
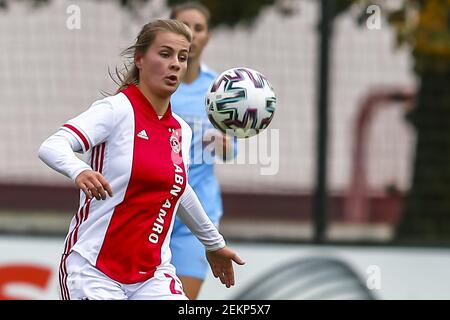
<point>144,158</point>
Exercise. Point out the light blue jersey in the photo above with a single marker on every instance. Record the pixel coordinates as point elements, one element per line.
<point>188,254</point>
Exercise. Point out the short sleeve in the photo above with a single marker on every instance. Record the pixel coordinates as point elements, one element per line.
<point>93,126</point>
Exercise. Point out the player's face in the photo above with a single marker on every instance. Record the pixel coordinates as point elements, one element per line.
<point>196,21</point>
<point>164,63</point>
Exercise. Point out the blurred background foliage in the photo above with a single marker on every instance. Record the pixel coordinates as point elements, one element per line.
<point>423,26</point>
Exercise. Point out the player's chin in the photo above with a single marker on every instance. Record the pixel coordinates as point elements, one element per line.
<point>170,89</point>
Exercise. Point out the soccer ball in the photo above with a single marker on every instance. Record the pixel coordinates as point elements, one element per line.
<point>240,102</point>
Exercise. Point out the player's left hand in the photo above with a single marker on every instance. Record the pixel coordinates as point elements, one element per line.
<point>223,143</point>
<point>221,264</point>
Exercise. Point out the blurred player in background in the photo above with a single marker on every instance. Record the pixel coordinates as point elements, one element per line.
<point>188,254</point>
<point>118,247</point>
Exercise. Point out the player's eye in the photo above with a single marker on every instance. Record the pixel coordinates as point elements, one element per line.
<point>164,54</point>
<point>183,57</point>
<point>199,28</point>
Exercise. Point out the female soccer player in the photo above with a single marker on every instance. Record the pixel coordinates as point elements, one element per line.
<point>188,254</point>
<point>118,246</point>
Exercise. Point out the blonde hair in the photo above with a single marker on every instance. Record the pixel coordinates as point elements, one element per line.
<point>130,74</point>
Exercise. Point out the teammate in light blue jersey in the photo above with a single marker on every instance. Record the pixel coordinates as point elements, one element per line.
<point>188,254</point>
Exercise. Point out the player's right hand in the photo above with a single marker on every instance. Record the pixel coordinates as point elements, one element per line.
<point>93,184</point>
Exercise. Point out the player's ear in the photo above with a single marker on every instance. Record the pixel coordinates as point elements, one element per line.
<point>138,60</point>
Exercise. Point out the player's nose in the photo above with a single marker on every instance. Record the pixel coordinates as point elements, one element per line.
<point>175,64</point>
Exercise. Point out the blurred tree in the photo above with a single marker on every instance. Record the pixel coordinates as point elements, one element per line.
<point>4,4</point>
<point>231,12</point>
<point>228,13</point>
<point>424,26</point>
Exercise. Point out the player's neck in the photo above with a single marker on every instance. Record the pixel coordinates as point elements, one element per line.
<point>192,72</point>
<point>160,104</point>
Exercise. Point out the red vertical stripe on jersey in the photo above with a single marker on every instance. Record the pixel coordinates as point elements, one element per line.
<point>94,150</point>
<point>62,278</point>
<point>97,158</point>
<point>79,134</point>
<point>102,157</point>
<point>127,254</point>
<point>97,151</point>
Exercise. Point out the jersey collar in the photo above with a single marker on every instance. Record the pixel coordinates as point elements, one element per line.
<point>138,100</point>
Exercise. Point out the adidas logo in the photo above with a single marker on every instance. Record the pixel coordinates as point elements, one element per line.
<point>143,135</point>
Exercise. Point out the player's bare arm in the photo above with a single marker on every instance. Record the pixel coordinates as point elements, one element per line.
<point>221,262</point>
<point>93,184</point>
